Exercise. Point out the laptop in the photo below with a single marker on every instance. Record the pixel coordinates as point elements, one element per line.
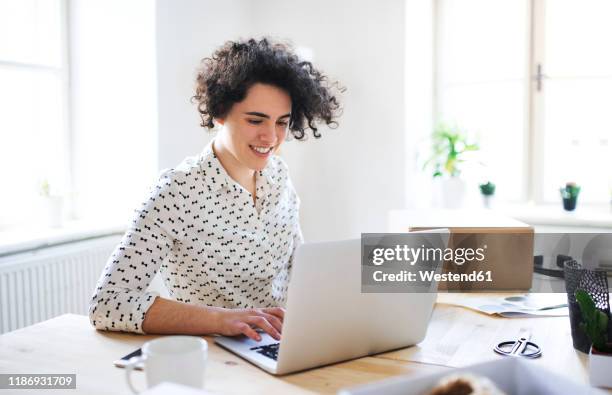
<point>328,319</point>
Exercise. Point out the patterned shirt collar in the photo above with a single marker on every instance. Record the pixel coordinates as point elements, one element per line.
<point>216,177</point>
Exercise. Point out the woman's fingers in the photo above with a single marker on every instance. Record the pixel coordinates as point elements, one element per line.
<point>269,319</point>
<point>263,323</point>
<point>246,330</point>
<point>276,323</point>
<point>276,311</point>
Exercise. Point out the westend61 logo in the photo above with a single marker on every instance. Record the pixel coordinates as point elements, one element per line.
<point>412,255</point>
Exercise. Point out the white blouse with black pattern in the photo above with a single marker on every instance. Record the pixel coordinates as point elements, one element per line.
<point>222,249</point>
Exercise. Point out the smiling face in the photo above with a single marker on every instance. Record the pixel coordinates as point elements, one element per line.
<point>254,128</point>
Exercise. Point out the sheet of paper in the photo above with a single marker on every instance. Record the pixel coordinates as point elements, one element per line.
<point>536,305</point>
<point>459,337</point>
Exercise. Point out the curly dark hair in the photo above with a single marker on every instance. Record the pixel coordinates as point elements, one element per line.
<point>224,79</point>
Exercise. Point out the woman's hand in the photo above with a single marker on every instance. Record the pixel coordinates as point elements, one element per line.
<point>232,322</point>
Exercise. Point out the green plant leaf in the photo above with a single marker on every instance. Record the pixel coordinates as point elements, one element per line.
<point>447,147</point>
<point>487,189</point>
<point>595,322</point>
<point>602,320</point>
<point>587,306</point>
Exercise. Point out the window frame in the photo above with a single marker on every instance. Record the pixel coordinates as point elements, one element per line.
<point>536,103</point>
<point>63,74</point>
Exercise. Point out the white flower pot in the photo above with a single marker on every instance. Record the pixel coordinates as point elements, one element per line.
<point>487,201</point>
<point>600,369</point>
<point>453,192</point>
<point>53,210</point>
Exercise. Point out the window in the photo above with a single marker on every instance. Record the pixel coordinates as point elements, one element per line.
<point>532,89</point>
<point>105,141</point>
<point>34,141</point>
<point>576,92</point>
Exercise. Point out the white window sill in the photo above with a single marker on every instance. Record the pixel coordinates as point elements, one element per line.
<point>33,237</point>
<point>544,218</point>
<point>588,216</point>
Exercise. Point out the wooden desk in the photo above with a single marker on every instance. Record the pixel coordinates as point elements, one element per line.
<point>456,337</point>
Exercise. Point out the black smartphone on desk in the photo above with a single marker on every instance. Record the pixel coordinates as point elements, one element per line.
<point>120,363</point>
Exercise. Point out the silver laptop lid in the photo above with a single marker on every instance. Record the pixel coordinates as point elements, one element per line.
<point>329,319</point>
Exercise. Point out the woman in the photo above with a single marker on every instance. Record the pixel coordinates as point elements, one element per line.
<point>227,219</point>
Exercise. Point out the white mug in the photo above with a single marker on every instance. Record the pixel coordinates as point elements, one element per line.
<point>178,359</point>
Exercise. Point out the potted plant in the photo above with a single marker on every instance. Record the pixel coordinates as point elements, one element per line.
<point>52,205</point>
<point>449,148</point>
<point>487,190</point>
<point>595,326</point>
<point>569,194</point>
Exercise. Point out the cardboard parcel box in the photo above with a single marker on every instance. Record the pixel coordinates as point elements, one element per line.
<point>508,258</point>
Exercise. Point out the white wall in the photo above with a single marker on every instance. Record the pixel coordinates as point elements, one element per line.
<point>351,177</point>
<point>419,77</point>
<point>187,31</point>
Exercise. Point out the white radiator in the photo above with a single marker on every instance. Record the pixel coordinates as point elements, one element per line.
<point>46,282</point>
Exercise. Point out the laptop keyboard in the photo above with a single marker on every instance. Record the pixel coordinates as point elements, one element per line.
<point>270,350</point>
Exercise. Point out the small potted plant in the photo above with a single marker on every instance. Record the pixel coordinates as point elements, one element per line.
<point>569,194</point>
<point>487,190</point>
<point>449,148</point>
<point>595,326</point>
